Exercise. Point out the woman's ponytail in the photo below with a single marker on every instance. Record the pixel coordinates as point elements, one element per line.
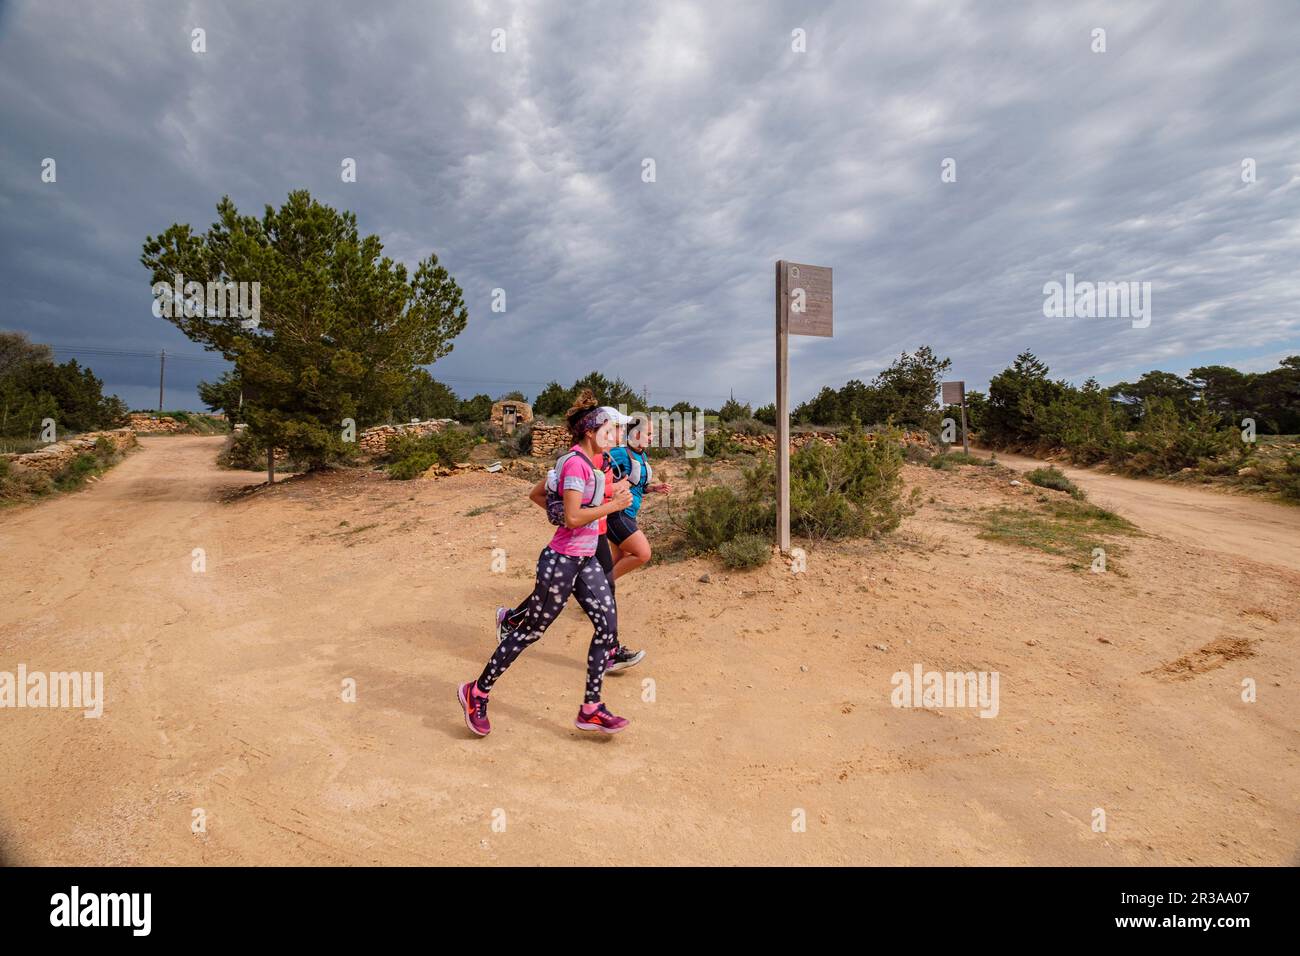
<point>578,411</point>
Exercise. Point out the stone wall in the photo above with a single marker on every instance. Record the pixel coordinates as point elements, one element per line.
<point>52,459</point>
<point>550,441</point>
<point>374,441</point>
<point>799,439</point>
<point>146,424</point>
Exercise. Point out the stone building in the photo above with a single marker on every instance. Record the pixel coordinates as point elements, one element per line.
<point>508,413</point>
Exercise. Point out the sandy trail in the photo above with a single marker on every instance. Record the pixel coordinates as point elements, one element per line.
<point>1238,524</point>
<point>768,698</point>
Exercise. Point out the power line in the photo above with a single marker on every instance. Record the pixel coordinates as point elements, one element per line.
<point>130,353</point>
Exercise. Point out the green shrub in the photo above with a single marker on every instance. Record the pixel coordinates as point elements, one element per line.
<point>196,423</point>
<point>1286,479</point>
<point>1167,441</point>
<point>721,514</point>
<point>1225,467</point>
<point>452,445</point>
<point>698,469</point>
<point>242,451</point>
<point>852,489</point>
<point>517,443</point>
<point>734,411</point>
<point>1082,421</point>
<point>19,483</point>
<point>413,455</point>
<point>917,454</point>
<point>105,450</point>
<point>749,426</point>
<point>1052,477</point>
<point>39,483</point>
<point>449,445</point>
<point>746,551</point>
<point>718,444</point>
<point>74,473</point>
<point>412,466</point>
<point>948,461</point>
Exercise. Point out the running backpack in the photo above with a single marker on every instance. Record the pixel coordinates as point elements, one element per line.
<point>555,497</point>
<point>637,472</point>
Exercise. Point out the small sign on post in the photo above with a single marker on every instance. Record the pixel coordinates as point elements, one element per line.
<point>809,295</point>
<point>954,393</point>
<point>803,307</point>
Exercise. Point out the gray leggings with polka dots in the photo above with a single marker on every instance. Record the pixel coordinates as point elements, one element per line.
<point>558,576</point>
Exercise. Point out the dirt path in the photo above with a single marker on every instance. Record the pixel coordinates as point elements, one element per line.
<point>1238,524</point>
<point>764,701</point>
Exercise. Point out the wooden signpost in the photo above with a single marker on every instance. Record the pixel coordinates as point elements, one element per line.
<point>954,393</point>
<point>803,307</point>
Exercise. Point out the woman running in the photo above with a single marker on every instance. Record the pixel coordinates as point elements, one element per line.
<point>568,565</point>
<point>631,546</point>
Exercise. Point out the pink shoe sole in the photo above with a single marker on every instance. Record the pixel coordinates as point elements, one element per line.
<point>583,725</point>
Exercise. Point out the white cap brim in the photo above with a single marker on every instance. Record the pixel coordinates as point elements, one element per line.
<point>615,416</point>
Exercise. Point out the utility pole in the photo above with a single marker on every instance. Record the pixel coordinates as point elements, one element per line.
<point>162,365</point>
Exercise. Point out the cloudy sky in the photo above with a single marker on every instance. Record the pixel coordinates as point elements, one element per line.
<point>522,170</point>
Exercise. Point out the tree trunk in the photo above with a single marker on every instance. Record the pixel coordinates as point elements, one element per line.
<point>270,466</point>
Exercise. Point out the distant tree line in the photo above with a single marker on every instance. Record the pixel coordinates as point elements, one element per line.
<point>33,388</point>
<point>905,393</point>
<point>1026,408</point>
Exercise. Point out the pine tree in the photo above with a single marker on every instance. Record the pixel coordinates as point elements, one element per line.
<point>341,326</point>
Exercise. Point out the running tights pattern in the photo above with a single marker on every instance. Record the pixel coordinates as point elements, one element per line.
<point>515,616</point>
<point>558,576</point>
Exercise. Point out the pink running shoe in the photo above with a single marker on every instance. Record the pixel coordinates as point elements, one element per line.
<point>600,719</point>
<point>473,705</point>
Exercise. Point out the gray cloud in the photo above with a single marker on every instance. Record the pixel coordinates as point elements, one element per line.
<point>522,170</point>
